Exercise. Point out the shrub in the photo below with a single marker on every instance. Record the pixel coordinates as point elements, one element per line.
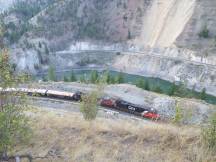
<point>209,134</point>
<point>89,106</point>
<point>158,89</point>
<point>204,33</point>
<point>178,115</point>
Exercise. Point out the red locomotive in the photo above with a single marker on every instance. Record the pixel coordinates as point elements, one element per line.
<point>122,105</point>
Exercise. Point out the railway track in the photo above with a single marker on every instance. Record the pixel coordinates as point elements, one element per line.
<point>71,106</point>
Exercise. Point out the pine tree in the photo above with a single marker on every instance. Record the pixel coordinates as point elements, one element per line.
<point>94,76</point>
<point>82,79</point>
<point>51,74</point>
<point>73,77</point>
<point>203,94</point>
<point>66,79</point>
<point>158,89</point>
<point>172,89</point>
<point>147,87</point>
<point>120,78</point>
<point>140,83</point>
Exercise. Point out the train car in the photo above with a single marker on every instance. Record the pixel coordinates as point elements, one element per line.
<point>108,102</point>
<point>60,95</point>
<point>32,91</point>
<point>150,115</point>
<point>145,112</point>
<point>78,96</point>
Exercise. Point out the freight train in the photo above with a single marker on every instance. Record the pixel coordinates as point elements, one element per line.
<point>125,106</point>
<point>108,102</point>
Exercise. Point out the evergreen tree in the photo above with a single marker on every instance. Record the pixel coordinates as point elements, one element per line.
<point>107,77</point>
<point>82,79</point>
<point>203,94</point>
<point>73,77</point>
<point>120,78</point>
<point>94,76</point>
<point>147,87</point>
<point>158,89</point>
<point>140,83</point>
<point>51,74</point>
<point>66,79</point>
<point>172,89</point>
<point>112,80</point>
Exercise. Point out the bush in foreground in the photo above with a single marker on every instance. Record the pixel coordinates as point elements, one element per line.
<point>89,106</point>
<point>209,134</point>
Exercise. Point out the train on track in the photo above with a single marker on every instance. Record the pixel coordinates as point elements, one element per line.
<point>108,102</point>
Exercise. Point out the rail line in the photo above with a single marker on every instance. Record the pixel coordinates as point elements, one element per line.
<point>107,111</point>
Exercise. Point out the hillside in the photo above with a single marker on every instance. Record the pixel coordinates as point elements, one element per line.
<point>64,136</point>
<point>181,34</point>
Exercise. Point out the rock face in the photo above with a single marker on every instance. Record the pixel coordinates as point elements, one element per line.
<point>177,38</point>
<point>195,74</point>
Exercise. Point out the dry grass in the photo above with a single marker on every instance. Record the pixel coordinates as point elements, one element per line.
<point>67,137</point>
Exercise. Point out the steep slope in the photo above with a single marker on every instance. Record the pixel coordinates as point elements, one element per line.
<point>165,21</point>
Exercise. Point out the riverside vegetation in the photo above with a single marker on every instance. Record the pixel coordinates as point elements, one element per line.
<point>149,84</point>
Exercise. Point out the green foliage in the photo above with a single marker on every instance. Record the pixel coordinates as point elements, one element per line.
<point>94,76</point>
<point>44,79</point>
<point>147,87</point>
<point>82,79</point>
<point>182,90</point>
<point>51,74</point>
<point>14,125</point>
<point>178,115</point>
<point>109,79</point>
<point>73,77</point>
<point>157,89</point>
<point>66,79</point>
<point>91,30</point>
<point>209,134</point>
<point>14,33</point>
<point>172,89</point>
<point>89,106</point>
<point>120,78</point>
<point>204,33</point>
<point>106,76</point>
<point>140,83</point>
<point>203,94</point>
